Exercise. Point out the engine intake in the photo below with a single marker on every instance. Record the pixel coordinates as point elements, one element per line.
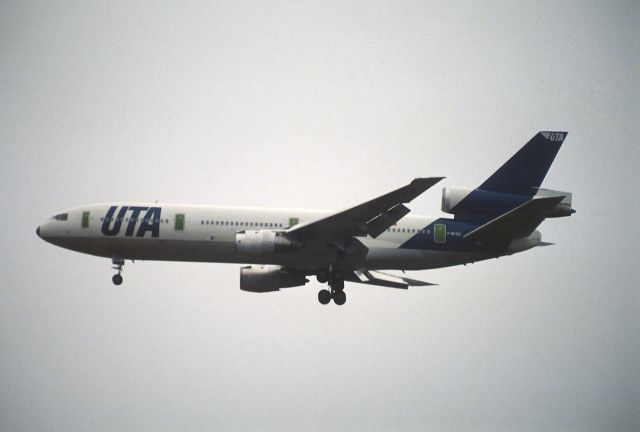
<point>251,244</point>
<point>266,278</point>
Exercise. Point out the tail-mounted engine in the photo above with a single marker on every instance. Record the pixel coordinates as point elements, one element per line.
<point>563,208</point>
<point>267,278</point>
<point>252,244</point>
<point>460,201</point>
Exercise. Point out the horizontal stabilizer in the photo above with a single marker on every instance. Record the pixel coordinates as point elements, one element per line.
<point>371,277</point>
<point>519,222</point>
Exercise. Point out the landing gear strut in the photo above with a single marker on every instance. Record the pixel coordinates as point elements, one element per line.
<point>117,265</point>
<point>336,287</point>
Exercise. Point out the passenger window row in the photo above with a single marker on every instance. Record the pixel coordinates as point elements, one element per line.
<point>248,224</point>
<point>409,230</point>
<point>231,223</point>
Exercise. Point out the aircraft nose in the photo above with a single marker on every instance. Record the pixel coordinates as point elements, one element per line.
<point>38,232</point>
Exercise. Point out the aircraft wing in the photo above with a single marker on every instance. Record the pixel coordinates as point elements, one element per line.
<point>370,277</point>
<point>370,218</point>
<point>519,222</point>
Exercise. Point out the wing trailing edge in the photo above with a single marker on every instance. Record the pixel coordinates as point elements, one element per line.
<point>370,218</point>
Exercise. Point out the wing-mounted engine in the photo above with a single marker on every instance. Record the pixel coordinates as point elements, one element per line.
<point>266,278</point>
<point>253,244</point>
<point>466,201</point>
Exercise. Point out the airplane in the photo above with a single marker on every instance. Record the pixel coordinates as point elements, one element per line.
<point>282,247</point>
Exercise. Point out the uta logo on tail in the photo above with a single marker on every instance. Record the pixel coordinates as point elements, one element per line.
<point>554,136</point>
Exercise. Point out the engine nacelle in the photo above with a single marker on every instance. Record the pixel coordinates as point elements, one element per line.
<point>451,197</point>
<point>457,200</point>
<point>562,209</point>
<point>266,278</point>
<point>252,244</point>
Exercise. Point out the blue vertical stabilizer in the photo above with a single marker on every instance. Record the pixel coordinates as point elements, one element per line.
<point>524,172</point>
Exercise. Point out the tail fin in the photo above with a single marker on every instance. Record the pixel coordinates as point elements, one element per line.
<point>524,172</point>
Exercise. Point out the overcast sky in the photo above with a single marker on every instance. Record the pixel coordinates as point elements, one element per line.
<point>320,105</point>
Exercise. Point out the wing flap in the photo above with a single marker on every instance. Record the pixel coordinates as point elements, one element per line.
<point>384,220</point>
<point>370,277</point>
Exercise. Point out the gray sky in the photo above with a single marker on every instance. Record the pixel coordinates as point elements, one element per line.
<point>317,105</point>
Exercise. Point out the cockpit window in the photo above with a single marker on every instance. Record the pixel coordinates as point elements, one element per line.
<point>61,217</point>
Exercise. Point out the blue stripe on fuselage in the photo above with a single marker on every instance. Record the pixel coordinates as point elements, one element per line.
<point>454,242</point>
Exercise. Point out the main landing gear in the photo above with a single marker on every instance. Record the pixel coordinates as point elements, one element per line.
<point>117,265</point>
<point>336,287</point>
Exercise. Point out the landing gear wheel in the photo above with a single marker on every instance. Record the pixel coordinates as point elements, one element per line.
<point>339,298</point>
<point>117,264</point>
<point>322,276</point>
<point>324,297</point>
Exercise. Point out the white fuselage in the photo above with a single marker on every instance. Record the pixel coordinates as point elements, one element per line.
<point>208,234</point>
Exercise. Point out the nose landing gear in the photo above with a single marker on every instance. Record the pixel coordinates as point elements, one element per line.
<point>117,264</point>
